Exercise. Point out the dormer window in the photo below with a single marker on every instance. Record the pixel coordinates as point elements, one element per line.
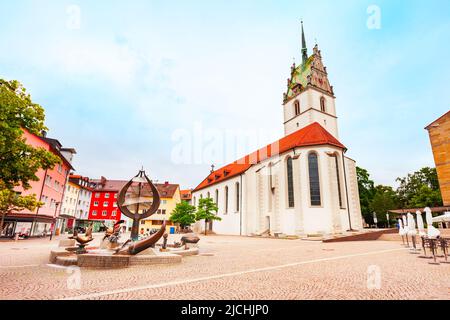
<point>226,173</point>
<point>323,107</point>
<point>297,107</point>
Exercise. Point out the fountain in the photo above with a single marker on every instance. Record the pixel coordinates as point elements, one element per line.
<point>139,199</point>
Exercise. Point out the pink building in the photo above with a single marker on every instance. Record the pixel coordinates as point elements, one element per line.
<point>49,189</point>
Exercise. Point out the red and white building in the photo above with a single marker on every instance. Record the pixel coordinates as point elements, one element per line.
<point>103,207</point>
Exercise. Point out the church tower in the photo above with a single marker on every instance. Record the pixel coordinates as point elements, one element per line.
<point>309,97</point>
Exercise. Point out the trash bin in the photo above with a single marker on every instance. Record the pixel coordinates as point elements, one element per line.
<point>172,230</point>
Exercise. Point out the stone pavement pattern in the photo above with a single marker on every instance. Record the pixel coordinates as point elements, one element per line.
<point>234,268</point>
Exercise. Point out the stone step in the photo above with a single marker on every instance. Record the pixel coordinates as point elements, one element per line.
<point>67,261</point>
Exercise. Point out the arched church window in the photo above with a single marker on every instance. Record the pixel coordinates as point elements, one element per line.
<point>314,180</point>
<point>290,183</point>
<point>226,200</point>
<point>297,107</point>
<point>323,106</point>
<point>208,195</point>
<point>217,197</point>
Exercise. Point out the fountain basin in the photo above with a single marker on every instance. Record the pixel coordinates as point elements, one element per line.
<point>104,259</point>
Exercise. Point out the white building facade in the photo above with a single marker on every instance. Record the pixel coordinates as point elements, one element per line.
<point>302,184</point>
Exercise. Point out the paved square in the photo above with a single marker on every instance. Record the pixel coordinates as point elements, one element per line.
<point>235,268</point>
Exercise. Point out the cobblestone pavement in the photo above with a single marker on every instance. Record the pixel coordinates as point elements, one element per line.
<point>235,268</point>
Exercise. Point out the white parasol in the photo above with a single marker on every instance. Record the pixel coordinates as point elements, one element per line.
<point>420,225</point>
<point>432,232</point>
<point>401,231</point>
<point>411,225</point>
<point>444,218</point>
<point>405,224</point>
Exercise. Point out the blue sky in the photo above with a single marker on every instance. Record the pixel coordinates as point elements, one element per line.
<point>119,85</point>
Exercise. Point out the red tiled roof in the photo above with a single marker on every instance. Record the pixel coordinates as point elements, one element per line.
<point>166,190</point>
<point>312,135</point>
<point>186,194</point>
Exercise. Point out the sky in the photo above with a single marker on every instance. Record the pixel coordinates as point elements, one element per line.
<point>175,86</point>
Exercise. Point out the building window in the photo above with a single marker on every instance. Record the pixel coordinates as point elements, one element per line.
<point>97,195</point>
<point>323,106</point>
<point>314,181</point>
<point>106,203</point>
<point>226,200</point>
<point>95,203</point>
<point>195,201</point>
<point>115,196</point>
<point>59,168</point>
<point>217,197</point>
<point>106,195</point>
<point>94,213</point>
<point>290,183</point>
<point>164,211</point>
<point>115,204</point>
<point>104,213</point>
<point>338,177</point>
<point>297,107</point>
<point>237,197</point>
<point>114,213</point>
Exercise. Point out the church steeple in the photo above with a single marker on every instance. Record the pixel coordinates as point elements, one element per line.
<point>304,48</point>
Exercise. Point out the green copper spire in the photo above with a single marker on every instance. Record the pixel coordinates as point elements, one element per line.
<point>304,49</point>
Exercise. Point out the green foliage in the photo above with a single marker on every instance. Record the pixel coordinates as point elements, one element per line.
<point>19,161</point>
<point>384,199</point>
<point>417,190</point>
<point>426,197</point>
<point>366,192</point>
<point>184,214</point>
<point>207,210</point>
<point>420,189</point>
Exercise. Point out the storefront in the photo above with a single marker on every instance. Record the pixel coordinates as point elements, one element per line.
<point>27,225</point>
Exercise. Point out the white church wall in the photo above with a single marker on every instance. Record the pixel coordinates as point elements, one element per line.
<point>353,191</point>
<point>231,218</point>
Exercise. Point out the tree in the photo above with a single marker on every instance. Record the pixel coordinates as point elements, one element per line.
<point>366,192</point>
<point>426,197</point>
<point>207,210</point>
<point>384,199</point>
<point>411,187</point>
<point>184,214</point>
<point>19,160</point>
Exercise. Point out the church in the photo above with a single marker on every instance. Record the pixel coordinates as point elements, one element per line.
<point>300,185</point>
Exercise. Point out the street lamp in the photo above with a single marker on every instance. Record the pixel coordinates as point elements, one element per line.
<point>54,220</point>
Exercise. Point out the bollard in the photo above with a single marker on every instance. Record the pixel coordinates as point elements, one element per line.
<point>16,237</point>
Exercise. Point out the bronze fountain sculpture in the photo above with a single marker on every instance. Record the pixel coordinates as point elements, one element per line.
<point>82,240</point>
<point>138,200</point>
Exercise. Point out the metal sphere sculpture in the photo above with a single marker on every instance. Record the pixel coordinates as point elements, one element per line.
<point>138,200</point>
